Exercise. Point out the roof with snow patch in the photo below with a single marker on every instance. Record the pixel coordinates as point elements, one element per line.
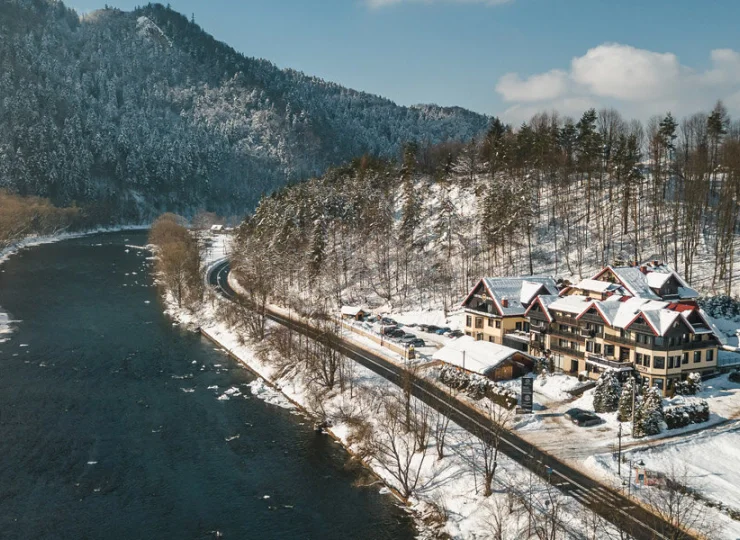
<point>477,356</point>
<point>518,292</point>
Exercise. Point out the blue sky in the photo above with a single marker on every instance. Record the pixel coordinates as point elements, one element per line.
<point>508,58</point>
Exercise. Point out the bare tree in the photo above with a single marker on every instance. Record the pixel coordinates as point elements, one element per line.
<point>680,507</point>
<point>486,443</point>
<point>395,451</point>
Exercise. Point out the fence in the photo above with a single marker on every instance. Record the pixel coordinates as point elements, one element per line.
<point>377,338</point>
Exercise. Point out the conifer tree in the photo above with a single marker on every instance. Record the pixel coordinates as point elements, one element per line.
<point>649,413</point>
<point>607,392</point>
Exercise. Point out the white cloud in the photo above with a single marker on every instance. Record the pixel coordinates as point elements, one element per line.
<point>540,87</point>
<point>385,3</point>
<point>626,73</point>
<point>637,81</point>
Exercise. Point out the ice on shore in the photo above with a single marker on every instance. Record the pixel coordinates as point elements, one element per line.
<point>266,393</point>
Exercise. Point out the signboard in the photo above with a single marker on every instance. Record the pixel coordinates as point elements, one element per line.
<point>527,391</point>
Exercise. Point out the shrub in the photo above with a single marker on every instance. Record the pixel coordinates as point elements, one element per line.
<point>677,416</point>
<point>690,386</point>
<point>477,386</point>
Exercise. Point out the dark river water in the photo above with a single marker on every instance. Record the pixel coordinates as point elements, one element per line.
<point>108,429</point>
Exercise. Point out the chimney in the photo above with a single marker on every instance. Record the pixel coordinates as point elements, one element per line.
<point>505,302</point>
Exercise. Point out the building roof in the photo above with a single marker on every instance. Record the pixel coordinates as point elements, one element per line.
<point>481,357</point>
<point>571,304</point>
<point>634,281</point>
<point>518,292</point>
<point>594,285</point>
<point>352,311</point>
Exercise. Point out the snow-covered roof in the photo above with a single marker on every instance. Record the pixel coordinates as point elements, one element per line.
<point>477,356</point>
<point>518,292</point>
<point>594,285</point>
<point>634,281</point>
<point>352,311</point>
<point>571,304</point>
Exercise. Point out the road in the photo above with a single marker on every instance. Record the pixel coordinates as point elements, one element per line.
<point>613,506</point>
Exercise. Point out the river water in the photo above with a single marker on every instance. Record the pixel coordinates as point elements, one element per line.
<point>108,428</point>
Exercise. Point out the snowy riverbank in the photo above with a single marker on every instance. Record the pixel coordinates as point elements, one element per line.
<point>31,241</point>
<point>447,499</point>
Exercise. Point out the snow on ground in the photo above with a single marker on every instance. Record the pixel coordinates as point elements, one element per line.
<point>453,483</point>
<point>706,462</point>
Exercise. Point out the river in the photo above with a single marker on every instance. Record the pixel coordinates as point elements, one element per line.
<point>110,426</point>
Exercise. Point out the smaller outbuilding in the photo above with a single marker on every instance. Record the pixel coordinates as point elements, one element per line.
<point>352,312</point>
<point>497,362</point>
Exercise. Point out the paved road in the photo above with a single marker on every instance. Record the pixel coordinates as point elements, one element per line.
<point>608,503</point>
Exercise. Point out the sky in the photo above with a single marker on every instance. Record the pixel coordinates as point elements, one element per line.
<point>509,58</point>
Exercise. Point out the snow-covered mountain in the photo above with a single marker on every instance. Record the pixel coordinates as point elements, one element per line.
<point>130,114</point>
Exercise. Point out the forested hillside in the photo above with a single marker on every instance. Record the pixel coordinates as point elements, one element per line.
<point>553,196</point>
<point>129,114</point>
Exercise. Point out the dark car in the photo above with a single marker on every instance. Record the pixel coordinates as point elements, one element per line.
<point>423,327</point>
<point>583,418</point>
<point>388,320</point>
<point>418,342</point>
<point>407,338</point>
<point>432,329</point>
<point>386,330</point>
<point>397,333</point>
<point>456,333</point>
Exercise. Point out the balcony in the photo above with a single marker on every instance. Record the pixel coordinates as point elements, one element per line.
<point>603,362</point>
<point>566,350</point>
<point>573,336</point>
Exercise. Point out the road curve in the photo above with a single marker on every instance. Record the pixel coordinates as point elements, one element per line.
<point>611,505</point>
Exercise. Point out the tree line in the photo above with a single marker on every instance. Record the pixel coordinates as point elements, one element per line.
<point>554,196</point>
<point>21,217</point>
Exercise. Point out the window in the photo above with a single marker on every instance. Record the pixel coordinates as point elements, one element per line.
<point>638,359</point>
<point>526,326</point>
<point>671,342</point>
<point>468,321</point>
<point>490,338</point>
<point>479,322</point>
<point>498,324</point>
<point>609,350</point>
<point>490,322</point>
<point>685,358</point>
<point>649,340</point>
<point>710,355</point>
<point>658,383</point>
<point>670,362</point>
<point>589,346</point>
<point>519,326</point>
<point>479,337</point>
<point>659,362</point>
<point>646,360</point>
<point>697,357</point>
<point>597,348</point>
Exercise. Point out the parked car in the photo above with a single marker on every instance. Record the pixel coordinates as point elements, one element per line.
<point>583,418</point>
<point>418,342</point>
<point>443,330</point>
<point>407,338</point>
<point>386,330</point>
<point>397,333</point>
<point>423,328</point>
<point>372,318</point>
<point>432,329</point>
<point>456,334</point>
<point>388,320</point>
